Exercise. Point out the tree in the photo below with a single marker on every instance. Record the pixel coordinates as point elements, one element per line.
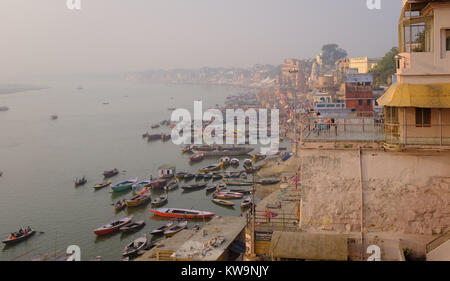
<point>384,70</point>
<point>332,53</point>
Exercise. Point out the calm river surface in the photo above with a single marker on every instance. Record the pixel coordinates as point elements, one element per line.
<point>40,159</point>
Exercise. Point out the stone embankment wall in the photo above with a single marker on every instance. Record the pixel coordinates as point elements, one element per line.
<point>406,192</point>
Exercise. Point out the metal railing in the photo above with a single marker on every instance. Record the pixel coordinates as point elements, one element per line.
<point>412,134</point>
<point>343,129</point>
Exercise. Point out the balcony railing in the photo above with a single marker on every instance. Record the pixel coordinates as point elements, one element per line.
<point>411,134</point>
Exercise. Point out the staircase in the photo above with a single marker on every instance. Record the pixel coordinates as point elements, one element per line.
<point>439,248</point>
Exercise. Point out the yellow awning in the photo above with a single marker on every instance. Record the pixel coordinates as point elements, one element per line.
<point>417,95</point>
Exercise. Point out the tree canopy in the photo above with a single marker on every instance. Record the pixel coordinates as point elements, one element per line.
<point>332,53</point>
<point>384,70</point>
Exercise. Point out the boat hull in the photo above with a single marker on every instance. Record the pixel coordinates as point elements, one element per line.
<point>20,239</point>
<point>120,188</point>
<point>103,231</point>
<point>187,215</point>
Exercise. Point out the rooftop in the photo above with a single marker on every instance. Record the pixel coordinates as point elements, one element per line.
<point>201,245</point>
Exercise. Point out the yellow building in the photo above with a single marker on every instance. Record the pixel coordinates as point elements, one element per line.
<point>417,106</point>
<point>364,64</point>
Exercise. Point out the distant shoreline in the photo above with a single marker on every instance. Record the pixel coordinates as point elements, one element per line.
<point>17,88</point>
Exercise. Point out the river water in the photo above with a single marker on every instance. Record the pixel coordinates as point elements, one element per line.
<point>40,159</point>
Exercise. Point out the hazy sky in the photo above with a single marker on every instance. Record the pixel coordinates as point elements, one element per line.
<point>44,37</point>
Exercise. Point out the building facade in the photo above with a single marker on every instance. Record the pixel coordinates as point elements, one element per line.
<point>417,106</point>
<point>359,94</point>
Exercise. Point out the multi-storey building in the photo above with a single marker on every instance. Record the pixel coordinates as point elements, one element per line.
<point>417,106</point>
<point>359,95</point>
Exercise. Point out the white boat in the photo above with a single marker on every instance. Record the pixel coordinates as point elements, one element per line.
<point>135,246</point>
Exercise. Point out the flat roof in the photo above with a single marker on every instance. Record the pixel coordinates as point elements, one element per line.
<point>196,248</point>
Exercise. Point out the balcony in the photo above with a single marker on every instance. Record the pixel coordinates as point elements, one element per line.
<point>411,134</point>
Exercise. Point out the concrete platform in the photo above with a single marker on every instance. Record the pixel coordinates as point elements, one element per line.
<point>168,246</point>
<point>198,246</point>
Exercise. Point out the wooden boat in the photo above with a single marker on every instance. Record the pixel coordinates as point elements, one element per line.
<point>53,117</point>
<point>248,163</point>
<point>159,183</point>
<point>210,168</point>
<point>120,205</point>
<point>221,186</point>
<point>236,151</point>
<point>225,161</point>
<point>269,181</point>
<point>180,175</point>
<point>234,162</point>
<point>216,177</point>
<point>112,226</point>
<point>212,188</point>
<point>103,184</point>
<point>208,176</point>
<point>258,157</point>
<point>196,158</point>
<point>132,226</point>
<point>247,202</point>
<point>223,202</point>
<point>228,195</point>
<point>161,229</point>
<point>142,190</point>
<point>140,186</point>
<point>81,181</point>
<point>186,149</point>
<point>153,137</point>
<point>171,186</point>
<point>110,173</point>
<point>138,200</point>
<point>237,182</point>
<point>232,175</point>
<point>171,231</point>
<point>181,213</point>
<point>17,237</point>
<point>123,185</point>
<point>196,186</point>
<point>161,200</point>
<point>243,191</point>
<point>135,246</point>
<point>199,176</point>
<point>166,137</point>
<point>154,126</point>
<point>189,177</point>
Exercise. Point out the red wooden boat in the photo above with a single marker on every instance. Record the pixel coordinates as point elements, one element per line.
<point>159,183</point>
<point>196,158</point>
<point>112,226</point>
<point>181,213</point>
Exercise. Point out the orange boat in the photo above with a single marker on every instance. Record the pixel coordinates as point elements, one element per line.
<point>181,213</point>
<point>112,226</point>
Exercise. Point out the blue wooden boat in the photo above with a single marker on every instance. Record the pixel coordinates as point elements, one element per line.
<point>123,185</point>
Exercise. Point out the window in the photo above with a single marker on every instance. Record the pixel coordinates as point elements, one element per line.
<point>447,35</point>
<point>423,117</point>
<point>368,102</point>
<point>391,115</point>
<point>360,102</point>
